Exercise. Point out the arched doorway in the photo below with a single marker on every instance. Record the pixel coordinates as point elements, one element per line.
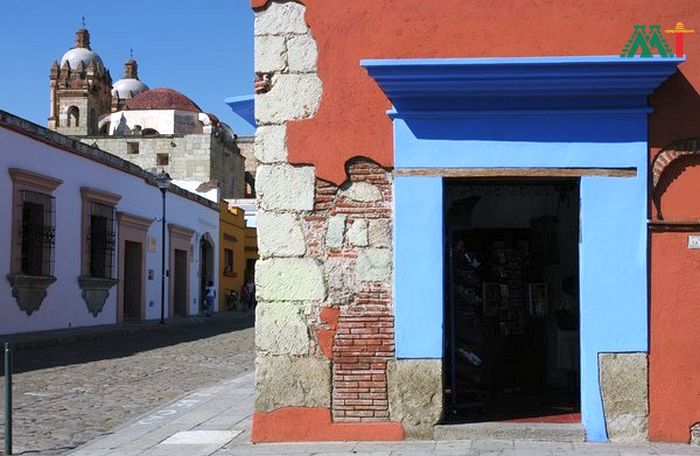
<point>206,266</point>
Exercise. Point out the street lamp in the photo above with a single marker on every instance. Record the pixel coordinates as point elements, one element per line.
<point>163,182</point>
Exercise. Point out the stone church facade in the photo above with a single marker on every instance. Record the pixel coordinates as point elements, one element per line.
<point>157,129</point>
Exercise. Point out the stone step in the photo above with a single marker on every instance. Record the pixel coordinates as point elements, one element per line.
<point>552,432</point>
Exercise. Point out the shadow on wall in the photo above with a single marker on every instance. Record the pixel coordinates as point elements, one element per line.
<point>676,195</point>
<point>676,107</point>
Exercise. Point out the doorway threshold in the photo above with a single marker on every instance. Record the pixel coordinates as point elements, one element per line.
<point>551,432</point>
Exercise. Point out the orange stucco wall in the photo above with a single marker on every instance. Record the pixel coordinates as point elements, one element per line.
<point>674,351</point>
<point>314,424</point>
<point>351,120</point>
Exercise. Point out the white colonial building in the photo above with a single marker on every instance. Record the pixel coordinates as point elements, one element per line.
<point>81,241</point>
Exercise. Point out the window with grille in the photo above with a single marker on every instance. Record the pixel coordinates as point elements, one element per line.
<point>37,235</point>
<point>101,240</point>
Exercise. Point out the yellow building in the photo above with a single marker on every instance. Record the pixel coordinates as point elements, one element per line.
<point>238,245</point>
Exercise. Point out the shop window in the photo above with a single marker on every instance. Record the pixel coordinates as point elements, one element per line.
<point>162,159</point>
<point>228,262</point>
<point>33,237</point>
<point>132,148</point>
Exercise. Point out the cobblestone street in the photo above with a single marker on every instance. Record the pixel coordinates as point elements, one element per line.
<point>68,394</point>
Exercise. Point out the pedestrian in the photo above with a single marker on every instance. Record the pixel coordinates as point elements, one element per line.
<point>210,296</point>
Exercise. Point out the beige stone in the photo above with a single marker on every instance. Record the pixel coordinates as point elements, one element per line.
<point>280,329</point>
<point>281,18</point>
<point>271,144</point>
<point>357,233</point>
<point>363,192</point>
<point>284,187</point>
<point>289,279</point>
<point>279,235</point>
<point>374,265</point>
<point>302,53</point>
<point>340,278</point>
<point>415,394</point>
<point>335,232</point>
<point>281,381</point>
<point>270,53</point>
<point>292,97</point>
<point>380,233</point>
<point>623,383</point>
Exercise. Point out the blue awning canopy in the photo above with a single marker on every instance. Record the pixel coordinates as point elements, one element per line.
<point>448,87</point>
<point>243,106</point>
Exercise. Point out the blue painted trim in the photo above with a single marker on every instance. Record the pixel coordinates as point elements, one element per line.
<point>418,279</point>
<point>547,84</point>
<point>244,107</point>
<point>557,112</point>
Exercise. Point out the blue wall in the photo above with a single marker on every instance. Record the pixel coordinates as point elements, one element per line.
<point>613,247</point>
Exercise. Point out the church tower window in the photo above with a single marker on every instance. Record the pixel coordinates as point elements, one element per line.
<point>73,117</point>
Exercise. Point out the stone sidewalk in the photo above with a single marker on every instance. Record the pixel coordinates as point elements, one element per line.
<point>216,421</point>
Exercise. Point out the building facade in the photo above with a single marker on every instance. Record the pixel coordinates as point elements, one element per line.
<point>453,228</point>
<point>153,128</point>
<point>237,243</point>
<point>82,239</point>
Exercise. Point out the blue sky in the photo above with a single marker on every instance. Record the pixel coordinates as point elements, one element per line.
<point>203,49</point>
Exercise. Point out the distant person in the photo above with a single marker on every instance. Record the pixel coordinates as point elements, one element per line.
<point>248,295</point>
<point>210,296</point>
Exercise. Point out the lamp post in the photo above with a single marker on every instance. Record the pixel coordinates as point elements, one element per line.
<point>163,182</point>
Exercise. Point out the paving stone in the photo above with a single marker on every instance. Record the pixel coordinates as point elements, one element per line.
<point>87,389</point>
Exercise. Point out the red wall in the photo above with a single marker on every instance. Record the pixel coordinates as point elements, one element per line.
<point>351,122</point>
<point>674,354</point>
<point>674,351</point>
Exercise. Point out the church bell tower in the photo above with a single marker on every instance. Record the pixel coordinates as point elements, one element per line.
<point>80,89</point>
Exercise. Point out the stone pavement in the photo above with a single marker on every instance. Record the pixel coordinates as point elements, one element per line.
<point>67,394</point>
<point>216,421</point>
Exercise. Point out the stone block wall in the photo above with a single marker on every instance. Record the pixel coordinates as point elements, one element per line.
<point>325,325</point>
<point>197,157</point>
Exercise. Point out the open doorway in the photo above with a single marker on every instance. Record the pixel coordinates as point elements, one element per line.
<point>133,276</point>
<point>180,283</point>
<point>206,268</point>
<point>511,307</point>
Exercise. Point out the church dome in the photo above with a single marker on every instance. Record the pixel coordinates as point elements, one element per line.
<point>128,88</point>
<point>162,99</point>
<point>79,54</point>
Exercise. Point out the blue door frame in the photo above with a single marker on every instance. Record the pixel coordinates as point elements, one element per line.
<point>559,113</point>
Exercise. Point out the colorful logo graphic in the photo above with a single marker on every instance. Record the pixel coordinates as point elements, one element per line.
<point>651,43</point>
